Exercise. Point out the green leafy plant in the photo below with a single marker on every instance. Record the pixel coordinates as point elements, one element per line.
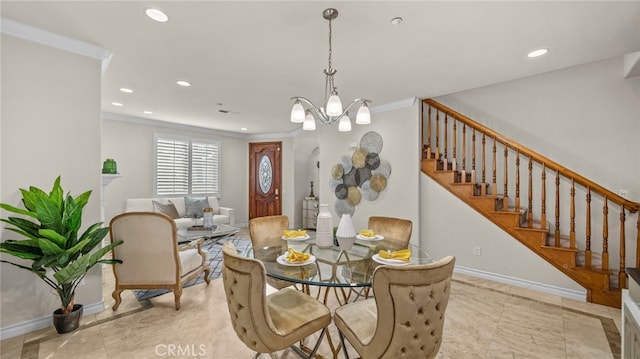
<point>50,225</point>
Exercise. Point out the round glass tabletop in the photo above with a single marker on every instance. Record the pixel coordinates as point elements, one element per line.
<point>335,266</point>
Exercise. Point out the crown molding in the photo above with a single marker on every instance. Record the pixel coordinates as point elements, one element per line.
<point>176,126</point>
<point>36,34</point>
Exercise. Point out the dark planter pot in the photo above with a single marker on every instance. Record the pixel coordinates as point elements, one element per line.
<point>66,323</point>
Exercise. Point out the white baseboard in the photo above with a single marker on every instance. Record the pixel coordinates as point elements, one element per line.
<point>43,322</point>
<point>523,283</point>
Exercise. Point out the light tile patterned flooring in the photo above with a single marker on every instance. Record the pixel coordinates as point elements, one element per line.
<point>484,320</point>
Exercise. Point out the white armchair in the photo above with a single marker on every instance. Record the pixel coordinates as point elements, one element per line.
<point>151,258</point>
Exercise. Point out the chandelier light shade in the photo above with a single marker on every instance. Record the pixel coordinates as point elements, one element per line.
<point>305,112</point>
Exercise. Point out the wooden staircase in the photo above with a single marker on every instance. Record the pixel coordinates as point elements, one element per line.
<point>450,145</point>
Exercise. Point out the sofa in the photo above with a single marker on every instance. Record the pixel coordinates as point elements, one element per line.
<point>221,215</point>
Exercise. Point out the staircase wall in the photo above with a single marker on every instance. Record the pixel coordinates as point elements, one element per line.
<point>450,226</point>
<point>585,117</point>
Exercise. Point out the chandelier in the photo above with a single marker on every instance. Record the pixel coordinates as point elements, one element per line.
<point>333,111</point>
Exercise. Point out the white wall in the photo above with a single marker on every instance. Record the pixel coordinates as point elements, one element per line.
<point>399,129</point>
<point>50,126</point>
<point>131,145</point>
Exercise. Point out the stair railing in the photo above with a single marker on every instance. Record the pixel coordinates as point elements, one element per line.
<point>445,138</point>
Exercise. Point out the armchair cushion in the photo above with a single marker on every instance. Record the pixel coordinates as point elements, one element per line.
<point>190,260</point>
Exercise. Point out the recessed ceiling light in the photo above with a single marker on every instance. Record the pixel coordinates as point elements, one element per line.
<point>157,15</point>
<point>396,20</point>
<point>118,104</point>
<point>148,113</point>
<point>183,83</point>
<point>126,90</point>
<point>538,52</point>
<point>243,128</point>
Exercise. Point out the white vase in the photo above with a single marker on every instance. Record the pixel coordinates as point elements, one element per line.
<point>324,227</point>
<point>346,234</point>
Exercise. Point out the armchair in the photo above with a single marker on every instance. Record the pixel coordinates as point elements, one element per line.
<point>151,258</point>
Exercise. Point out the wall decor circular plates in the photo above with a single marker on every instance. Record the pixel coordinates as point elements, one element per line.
<point>363,175</point>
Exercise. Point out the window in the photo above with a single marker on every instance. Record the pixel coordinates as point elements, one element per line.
<point>186,166</point>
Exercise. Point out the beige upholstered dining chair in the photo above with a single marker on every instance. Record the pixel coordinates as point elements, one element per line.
<point>270,323</point>
<point>268,231</point>
<point>395,229</point>
<point>406,317</point>
<point>151,258</point>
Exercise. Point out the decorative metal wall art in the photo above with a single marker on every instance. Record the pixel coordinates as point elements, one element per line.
<point>363,175</point>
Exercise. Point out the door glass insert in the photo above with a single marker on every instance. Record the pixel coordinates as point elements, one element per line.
<point>266,174</point>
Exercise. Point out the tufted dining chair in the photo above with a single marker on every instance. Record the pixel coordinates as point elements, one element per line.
<point>151,258</point>
<point>406,317</point>
<point>396,229</point>
<point>268,231</point>
<point>270,323</point>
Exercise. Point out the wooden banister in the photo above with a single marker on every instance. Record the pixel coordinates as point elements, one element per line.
<point>585,182</point>
<point>558,241</point>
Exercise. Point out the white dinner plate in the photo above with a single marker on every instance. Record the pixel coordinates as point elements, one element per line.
<point>394,262</point>
<point>297,238</point>
<point>377,237</point>
<point>282,259</point>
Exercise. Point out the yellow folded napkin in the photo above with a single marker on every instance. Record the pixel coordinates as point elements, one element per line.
<point>295,256</point>
<point>292,233</point>
<point>367,233</point>
<point>403,254</point>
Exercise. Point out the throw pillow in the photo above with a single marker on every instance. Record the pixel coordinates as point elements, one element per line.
<point>168,209</point>
<point>194,206</point>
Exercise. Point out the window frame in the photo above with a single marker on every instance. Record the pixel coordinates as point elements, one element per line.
<point>190,141</point>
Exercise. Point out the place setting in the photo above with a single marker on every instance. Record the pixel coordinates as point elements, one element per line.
<point>295,235</point>
<point>295,258</point>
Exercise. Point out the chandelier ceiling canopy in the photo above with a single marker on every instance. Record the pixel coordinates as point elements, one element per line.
<point>305,112</point>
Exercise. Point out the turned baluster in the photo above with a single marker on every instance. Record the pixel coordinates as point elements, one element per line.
<point>543,200</point>
<point>437,138</point>
<point>494,183</point>
<point>557,231</point>
<point>587,253</point>
<point>622,276</point>
<point>505,200</point>
<point>530,196</point>
<point>454,149</point>
<point>429,132</point>
<point>605,235</point>
<point>446,142</point>
<point>464,153</point>
<point>517,180</point>
<point>572,217</point>
<point>483,189</point>
<point>473,156</point>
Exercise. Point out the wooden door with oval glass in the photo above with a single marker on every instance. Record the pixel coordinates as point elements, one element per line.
<point>265,179</point>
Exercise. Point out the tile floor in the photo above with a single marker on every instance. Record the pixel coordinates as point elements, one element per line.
<point>484,320</point>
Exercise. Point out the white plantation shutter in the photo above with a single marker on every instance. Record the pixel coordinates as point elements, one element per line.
<point>204,168</point>
<point>185,166</point>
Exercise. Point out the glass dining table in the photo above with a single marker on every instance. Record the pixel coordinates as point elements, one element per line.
<point>334,267</point>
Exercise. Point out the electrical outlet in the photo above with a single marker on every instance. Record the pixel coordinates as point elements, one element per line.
<point>624,193</point>
<point>477,251</point>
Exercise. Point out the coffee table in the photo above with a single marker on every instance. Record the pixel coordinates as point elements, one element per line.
<point>220,233</point>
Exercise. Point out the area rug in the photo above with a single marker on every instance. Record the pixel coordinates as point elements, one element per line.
<point>214,258</point>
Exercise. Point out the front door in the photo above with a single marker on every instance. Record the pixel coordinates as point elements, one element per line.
<point>264,179</point>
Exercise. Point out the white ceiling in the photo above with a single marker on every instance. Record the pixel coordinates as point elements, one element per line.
<point>252,57</point>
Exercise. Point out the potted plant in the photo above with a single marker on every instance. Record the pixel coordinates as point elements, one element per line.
<point>49,224</point>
